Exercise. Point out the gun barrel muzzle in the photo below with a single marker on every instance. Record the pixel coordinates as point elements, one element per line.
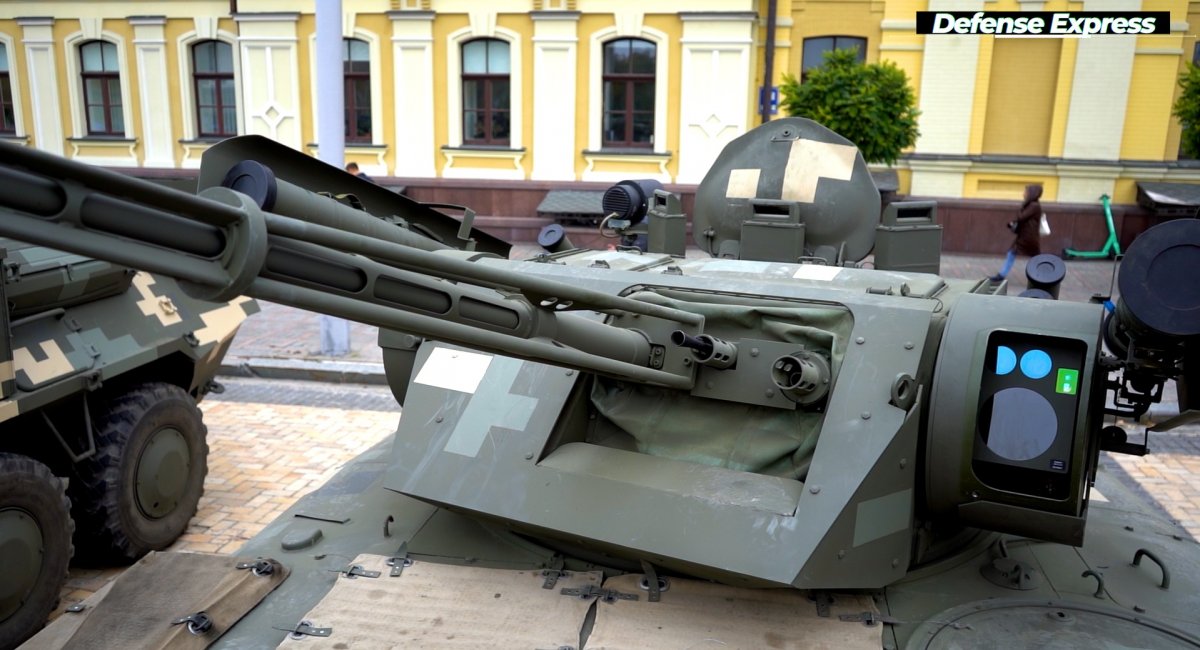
<point>709,350</point>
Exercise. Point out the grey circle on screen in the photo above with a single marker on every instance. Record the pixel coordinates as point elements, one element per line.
<point>1023,424</point>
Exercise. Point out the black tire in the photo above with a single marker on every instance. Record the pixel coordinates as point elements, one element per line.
<point>156,425</point>
<point>30,495</point>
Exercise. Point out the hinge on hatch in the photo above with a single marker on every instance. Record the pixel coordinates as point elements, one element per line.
<point>870,619</point>
<point>399,561</point>
<point>356,571</point>
<point>652,583</point>
<point>592,591</point>
<point>552,572</point>
<point>303,629</point>
<point>822,600</point>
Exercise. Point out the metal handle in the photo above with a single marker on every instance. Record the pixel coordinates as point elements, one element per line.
<point>1099,582</point>
<point>1166,576</point>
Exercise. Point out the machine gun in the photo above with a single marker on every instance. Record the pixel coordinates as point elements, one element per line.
<point>751,418</point>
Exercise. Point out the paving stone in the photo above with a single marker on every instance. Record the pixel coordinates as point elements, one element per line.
<point>236,505</point>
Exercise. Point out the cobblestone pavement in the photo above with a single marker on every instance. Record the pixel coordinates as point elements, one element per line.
<point>270,442</point>
<point>1168,476</point>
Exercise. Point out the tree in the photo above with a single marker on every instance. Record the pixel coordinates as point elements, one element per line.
<point>871,105</point>
<point>1187,109</point>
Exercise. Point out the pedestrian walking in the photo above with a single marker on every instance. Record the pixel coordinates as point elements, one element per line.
<point>1026,227</point>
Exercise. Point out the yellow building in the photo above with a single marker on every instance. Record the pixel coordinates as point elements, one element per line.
<point>587,90</point>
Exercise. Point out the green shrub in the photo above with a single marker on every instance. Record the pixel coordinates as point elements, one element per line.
<point>1187,109</point>
<point>871,105</point>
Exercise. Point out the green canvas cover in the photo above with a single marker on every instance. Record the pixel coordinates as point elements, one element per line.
<point>745,437</point>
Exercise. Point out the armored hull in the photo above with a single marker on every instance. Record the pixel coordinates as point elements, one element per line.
<point>775,447</point>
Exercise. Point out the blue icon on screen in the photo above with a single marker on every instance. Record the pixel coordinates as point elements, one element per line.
<point>1035,364</point>
<point>1006,360</point>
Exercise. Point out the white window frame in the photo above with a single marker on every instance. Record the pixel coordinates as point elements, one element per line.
<point>75,85</point>
<point>454,101</point>
<point>14,85</point>
<point>596,83</point>
<point>372,40</point>
<point>187,86</point>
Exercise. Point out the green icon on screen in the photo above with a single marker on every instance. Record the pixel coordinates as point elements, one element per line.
<point>1068,381</point>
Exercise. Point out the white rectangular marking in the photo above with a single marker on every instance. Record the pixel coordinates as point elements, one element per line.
<point>816,272</point>
<point>809,161</point>
<point>737,266</point>
<point>743,184</point>
<point>454,370</point>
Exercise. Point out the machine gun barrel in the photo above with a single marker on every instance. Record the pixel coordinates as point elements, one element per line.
<point>709,350</point>
<point>222,245</point>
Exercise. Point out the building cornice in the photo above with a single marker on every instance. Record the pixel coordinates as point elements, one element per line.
<point>147,20</point>
<point>718,16</point>
<point>411,15</point>
<point>267,17</point>
<point>555,15</point>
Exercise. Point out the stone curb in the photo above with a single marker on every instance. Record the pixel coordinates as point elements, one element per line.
<point>331,371</point>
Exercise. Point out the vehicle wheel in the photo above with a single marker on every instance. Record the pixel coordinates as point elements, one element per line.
<point>35,546</point>
<point>140,489</point>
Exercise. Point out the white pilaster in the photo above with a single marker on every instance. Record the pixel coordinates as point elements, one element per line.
<point>948,86</point>
<point>716,87</point>
<point>150,45</point>
<point>270,81</point>
<point>38,38</point>
<point>412,49</point>
<point>1100,90</point>
<point>555,48</point>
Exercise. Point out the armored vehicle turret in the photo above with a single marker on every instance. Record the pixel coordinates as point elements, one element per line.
<point>769,447</point>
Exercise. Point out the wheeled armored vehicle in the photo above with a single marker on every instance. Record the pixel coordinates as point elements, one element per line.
<point>102,448</point>
<point>773,446</point>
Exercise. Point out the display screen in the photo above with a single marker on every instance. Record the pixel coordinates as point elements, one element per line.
<point>1025,422</point>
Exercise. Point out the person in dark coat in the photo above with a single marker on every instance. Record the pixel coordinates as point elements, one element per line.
<point>1027,228</point>
<point>352,168</point>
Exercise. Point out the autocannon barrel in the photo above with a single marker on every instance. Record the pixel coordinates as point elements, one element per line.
<point>240,249</point>
<point>258,182</point>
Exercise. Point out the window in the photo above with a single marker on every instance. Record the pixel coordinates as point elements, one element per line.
<point>485,79</point>
<point>8,118</point>
<point>102,89</point>
<point>356,67</point>
<point>815,49</point>
<point>216,102</point>
<point>628,93</point>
